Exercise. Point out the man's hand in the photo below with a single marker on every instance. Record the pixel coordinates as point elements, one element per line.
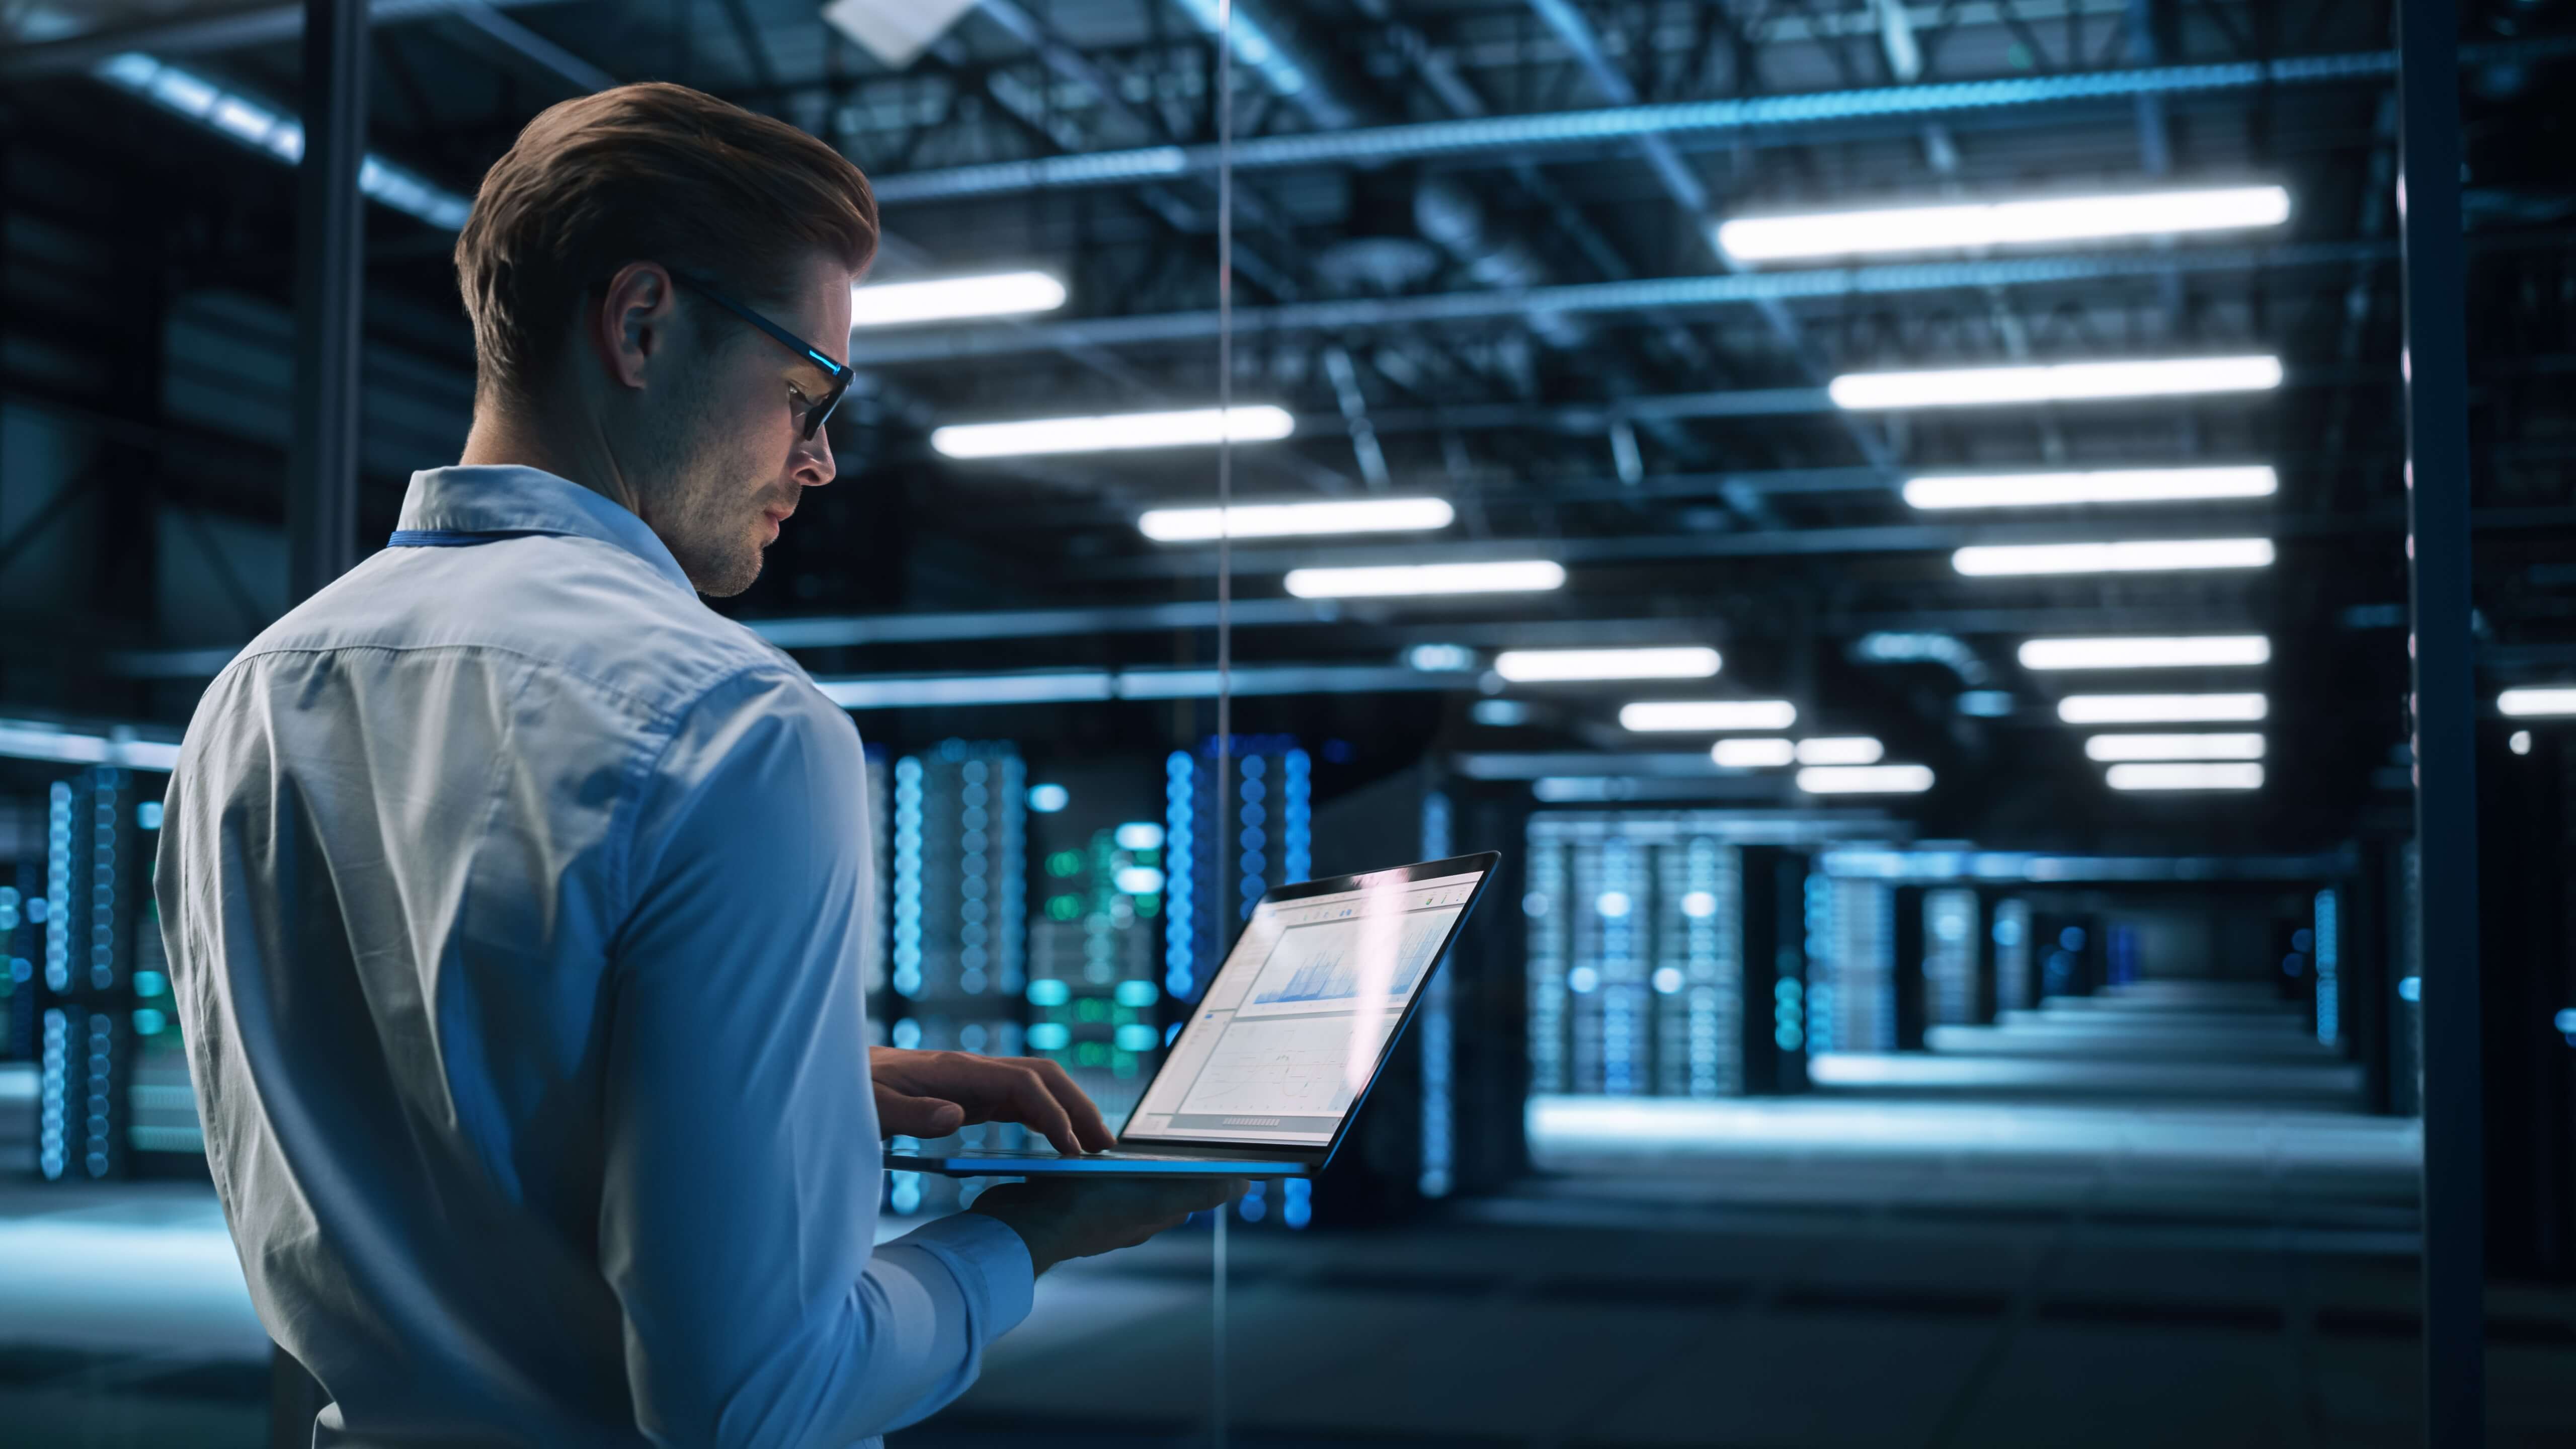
<point>1060,1220</point>
<point>931,1094</point>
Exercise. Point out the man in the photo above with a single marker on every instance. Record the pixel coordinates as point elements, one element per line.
<point>516,900</point>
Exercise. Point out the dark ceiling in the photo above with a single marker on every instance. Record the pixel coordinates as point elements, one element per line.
<point>1428,225</point>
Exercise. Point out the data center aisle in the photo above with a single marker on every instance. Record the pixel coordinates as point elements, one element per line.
<point>2147,1218</point>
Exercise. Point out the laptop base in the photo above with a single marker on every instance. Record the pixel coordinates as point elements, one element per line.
<point>1042,1163</point>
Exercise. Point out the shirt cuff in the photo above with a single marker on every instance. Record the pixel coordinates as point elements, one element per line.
<point>991,1264</point>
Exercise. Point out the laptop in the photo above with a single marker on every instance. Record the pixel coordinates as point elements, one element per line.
<point>1282,1048</point>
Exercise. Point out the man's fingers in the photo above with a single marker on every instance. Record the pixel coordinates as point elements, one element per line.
<point>902,1116</point>
<point>1036,1108</point>
<point>1077,1104</point>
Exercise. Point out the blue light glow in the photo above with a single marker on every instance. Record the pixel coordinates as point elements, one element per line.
<point>1049,993</point>
<point>1050,1036</point>
<point>1139,880</point>
<point>1139,835</point>
<point>2328,943</point>
<point>2410,988</point>
<point>1138,994</point>
<point>1432,1029</point>
<point>1180,956</point>
<point>906,954</point>
<point>1138,1037</point>
<point>1048,799</point>
<point>1297,1202</point>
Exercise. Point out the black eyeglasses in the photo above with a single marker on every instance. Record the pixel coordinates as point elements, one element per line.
<point>837,375</point>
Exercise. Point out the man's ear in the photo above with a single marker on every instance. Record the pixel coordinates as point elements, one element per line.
<point>632,326</point>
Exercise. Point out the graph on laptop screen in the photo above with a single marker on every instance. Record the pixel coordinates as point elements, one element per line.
<point>1293,1027</point>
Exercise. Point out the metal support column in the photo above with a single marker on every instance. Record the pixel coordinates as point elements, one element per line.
<point>322,456</point>
<point>2445,721</point>
<point>330,254</point>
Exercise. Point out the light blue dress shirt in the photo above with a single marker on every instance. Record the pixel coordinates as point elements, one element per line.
<point>515,902</point>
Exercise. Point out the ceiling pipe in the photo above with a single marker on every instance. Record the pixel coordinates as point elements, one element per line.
<point>1751,118</point>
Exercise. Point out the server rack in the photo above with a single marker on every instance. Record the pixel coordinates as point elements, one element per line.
<point>2015,990</point>
<point>1774,955</point>
<point>21,922</point>
<point>1221,861</point>
<point>957,926</point>
<point>1851,971</point>
<point>1950,954</point>
<point>1094,1002</point>
<point>87,1021</point>
<point>1636,975</point>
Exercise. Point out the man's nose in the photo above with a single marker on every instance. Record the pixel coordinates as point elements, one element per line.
<point>814,464</point>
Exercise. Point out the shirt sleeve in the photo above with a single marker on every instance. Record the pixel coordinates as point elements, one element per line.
<point>741,1167</point>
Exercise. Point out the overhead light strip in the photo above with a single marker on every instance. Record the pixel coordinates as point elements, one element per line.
<point>2112,748</point>
<point>1295,520</point>
<point>1553,666</point>
<point>946,299</point>
<point>1757,753</point>
<point>2538,701</point>
<point>1865,779</point>
<point>2185,777</point>
<point>2121,485</point>
<point>2062,382</point>
<point>2035,221</point>
<point>274,133</point>
<point>2142,652</point>
<point>1031,437</point>
<point>1510,576</point>
<point>1707,716</point>
<point>2162,708</point>
<point>2163,555</point>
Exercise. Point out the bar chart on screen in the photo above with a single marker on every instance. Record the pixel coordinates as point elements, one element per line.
<point>1329,961</point>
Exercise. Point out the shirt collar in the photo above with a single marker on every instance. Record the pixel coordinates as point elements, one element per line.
<point>512,499</point>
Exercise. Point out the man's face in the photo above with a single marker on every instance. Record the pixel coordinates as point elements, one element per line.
<point>729,460</point>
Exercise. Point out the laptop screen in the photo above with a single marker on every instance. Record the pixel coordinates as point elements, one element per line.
<point>1298,1019</point>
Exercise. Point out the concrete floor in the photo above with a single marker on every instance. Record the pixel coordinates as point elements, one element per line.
<point>1935,1266</point>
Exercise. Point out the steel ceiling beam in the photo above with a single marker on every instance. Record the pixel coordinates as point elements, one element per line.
<point>266,25</point>
<point>1748,118</point>
<point>1648,295</point>
<point>1923,538</point>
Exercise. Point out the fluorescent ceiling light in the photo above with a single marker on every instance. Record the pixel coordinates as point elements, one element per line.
<point>2124,485</point>
<point>2162,555</point>
<point>2161,708</point>
<point>31,740</point>
<point>1708,716</point>
<point>2063,382</point>
<point>1284,520</point>
<point>893,304</point>
<point>2174,747</point>
<point>274,133</point>
<point>1840,750</point>
<point>1545,666</point>
<point>1516,576</point>
<point>2179,652</point>
<point>1886,230</point>
<point>1865,779</point>
<point>2186,777</point>
<point>2531,702</point>
<point>1753,754</point>
<point>1258,424</point>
